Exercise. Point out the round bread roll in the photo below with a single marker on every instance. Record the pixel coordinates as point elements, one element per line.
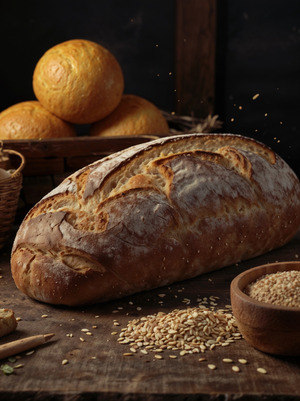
<point>30,120</point>
<point>8,322</point>
<point>79,81</point>
<point>134,116</point>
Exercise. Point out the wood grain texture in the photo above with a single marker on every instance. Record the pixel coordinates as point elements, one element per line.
<point>66,154</point>
<point>195,56</point>
<point>97,369</point>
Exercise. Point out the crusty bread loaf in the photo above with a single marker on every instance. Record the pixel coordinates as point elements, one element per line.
<point>133,116</point>
<point>154,214</point>
<point>30,120</point>
<point>79,81</point>
<point>8,322</point>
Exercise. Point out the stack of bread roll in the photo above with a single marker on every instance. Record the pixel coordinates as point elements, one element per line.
<point>80,82</point>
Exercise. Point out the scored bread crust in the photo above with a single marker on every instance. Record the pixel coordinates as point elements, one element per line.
<point>154,214</point>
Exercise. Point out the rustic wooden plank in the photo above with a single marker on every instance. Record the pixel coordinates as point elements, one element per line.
<point>43,166</point>
<point>55,156</point>
<point>75,163</point>
<point>68,147</point>
<point>34,188</point>
<point>195,57</point>
<point>97,369</point>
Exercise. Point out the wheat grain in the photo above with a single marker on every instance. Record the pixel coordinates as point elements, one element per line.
<point>188,331</point>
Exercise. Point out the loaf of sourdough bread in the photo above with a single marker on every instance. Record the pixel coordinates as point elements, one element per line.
<point>154,214</point>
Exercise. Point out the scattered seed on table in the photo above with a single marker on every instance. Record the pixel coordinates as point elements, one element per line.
<point>64,362</point>
<point>20,365</point>
<point>157,356</point>
<point>235,368</point>
<point>127,354</point>
<point>227,360</point>
<point>261,370</point>
<point>243,361</point>
<point>211,366</point>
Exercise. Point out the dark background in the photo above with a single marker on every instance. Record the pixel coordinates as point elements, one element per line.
<point>258,52</point>
<point>261,54</point>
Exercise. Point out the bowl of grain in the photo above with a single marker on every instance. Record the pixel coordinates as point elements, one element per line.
<point>266,305</point>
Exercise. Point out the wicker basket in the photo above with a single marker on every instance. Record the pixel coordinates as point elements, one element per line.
<point>9,191</point>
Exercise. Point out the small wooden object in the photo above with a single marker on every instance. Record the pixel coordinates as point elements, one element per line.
<point>267,327</point>
<point>24,344</point>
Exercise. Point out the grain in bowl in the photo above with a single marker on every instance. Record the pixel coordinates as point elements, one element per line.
<point>270,327</point>
<point>281,288</point>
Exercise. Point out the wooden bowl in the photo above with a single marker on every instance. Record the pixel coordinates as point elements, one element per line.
<point>267,327</point>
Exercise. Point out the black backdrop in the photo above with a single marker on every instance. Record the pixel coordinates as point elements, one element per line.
<point>139,33</point>
<point>258,52</point>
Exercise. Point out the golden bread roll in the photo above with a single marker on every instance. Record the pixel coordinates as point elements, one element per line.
<point>8,322</point>
<point>158,212</point>
<point>30,120</point>
<point>79,81</point>
<point>134,116</point>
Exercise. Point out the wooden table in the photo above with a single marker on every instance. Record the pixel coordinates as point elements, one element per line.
<point>97,369</point>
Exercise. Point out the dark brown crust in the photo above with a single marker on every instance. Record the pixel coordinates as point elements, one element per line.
<point>154,214</point>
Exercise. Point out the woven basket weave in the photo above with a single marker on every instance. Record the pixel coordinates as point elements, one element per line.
<point>9,192</point>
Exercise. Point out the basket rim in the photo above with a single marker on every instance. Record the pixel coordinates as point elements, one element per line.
<point>14,152</point>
